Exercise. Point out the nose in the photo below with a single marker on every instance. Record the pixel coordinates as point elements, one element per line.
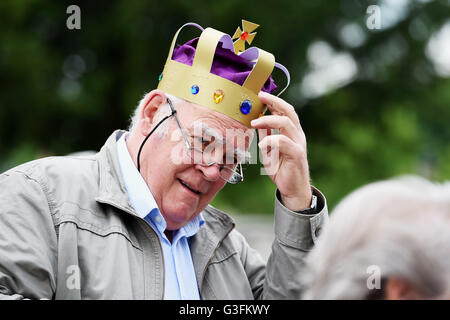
<point>211,173</point>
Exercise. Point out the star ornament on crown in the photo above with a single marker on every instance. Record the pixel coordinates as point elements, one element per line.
<point>244,35</point>
<point>211,71</point>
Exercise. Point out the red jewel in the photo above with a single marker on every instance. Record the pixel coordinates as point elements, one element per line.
<point>244,36</point>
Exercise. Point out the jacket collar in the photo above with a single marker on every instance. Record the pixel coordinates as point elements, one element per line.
<point>112,188</point>
<point>206,242</point>
<point>112,191</point>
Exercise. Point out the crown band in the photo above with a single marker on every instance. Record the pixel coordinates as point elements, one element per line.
<point>198,85</point>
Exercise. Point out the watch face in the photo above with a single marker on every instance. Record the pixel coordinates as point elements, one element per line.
<point>313,202</point>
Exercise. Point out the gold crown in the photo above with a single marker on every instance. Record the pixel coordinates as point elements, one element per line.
<point>198,85</point>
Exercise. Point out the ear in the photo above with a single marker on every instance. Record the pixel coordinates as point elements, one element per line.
<point>152,102</point>
<point>398,289</point>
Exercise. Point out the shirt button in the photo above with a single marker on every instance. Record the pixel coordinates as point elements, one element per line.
<point>158,218</point>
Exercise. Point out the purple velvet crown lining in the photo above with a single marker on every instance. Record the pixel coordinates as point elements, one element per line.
<point>226,64</point>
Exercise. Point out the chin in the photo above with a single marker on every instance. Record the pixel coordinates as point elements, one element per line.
<point>178,216</point>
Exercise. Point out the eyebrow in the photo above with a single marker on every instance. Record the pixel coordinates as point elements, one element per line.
<point>210,132</point>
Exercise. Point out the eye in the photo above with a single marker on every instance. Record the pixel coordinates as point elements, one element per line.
<point>200,142</point>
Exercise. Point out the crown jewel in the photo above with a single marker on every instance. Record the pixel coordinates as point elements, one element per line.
<point>197,81</point>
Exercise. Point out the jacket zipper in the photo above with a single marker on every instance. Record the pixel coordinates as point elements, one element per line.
<point>162,256</point>
<point>212,256</point>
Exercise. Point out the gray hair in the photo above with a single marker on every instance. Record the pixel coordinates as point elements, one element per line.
<point>136,117</point>
<point>400,226</point>
<point>163,129</point>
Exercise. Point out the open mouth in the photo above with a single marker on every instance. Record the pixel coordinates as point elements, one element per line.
<point>189,187</point>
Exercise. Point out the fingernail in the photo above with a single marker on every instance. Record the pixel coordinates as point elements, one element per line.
<point>254,122</point>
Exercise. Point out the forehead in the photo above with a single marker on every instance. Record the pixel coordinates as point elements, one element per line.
<point>215,122</point>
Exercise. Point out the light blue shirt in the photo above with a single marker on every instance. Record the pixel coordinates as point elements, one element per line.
<point>180,280</point>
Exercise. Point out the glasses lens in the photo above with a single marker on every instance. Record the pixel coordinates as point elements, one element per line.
<point>196,155</point>
<point>206,157</point>
<point>230,175</point>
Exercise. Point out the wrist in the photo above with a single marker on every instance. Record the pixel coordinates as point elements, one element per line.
<point>297,203</point>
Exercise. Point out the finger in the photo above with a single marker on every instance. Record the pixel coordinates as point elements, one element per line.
<point>262,133</point>
<point>278,106</point>
<point>279,145</point>
<point>283,123</point>
<point>270,158</point>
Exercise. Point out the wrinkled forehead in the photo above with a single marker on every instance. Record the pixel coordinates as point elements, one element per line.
<point>210,123</point>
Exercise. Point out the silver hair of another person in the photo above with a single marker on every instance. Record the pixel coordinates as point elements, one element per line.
<point>400,227</point>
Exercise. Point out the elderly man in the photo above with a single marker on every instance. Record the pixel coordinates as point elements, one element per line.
<point>386,240</point>
<point>134,220</point>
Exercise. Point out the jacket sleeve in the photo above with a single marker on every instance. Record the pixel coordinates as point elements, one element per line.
<point>295,235</point>
<point>28,242</point>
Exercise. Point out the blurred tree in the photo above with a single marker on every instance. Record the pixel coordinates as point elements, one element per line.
<point>373,103</point>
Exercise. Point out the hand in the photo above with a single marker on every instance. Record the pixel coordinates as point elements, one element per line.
<point>284,155</point>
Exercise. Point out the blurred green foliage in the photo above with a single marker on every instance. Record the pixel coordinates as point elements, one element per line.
<point>64,90</point>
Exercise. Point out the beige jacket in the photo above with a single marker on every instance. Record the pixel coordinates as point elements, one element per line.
<point>68,231</point>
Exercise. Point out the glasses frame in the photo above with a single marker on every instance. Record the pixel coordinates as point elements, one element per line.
<point>239,176</point>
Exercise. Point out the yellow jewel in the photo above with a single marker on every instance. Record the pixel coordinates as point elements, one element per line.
<point>218,95</point>
<point>178,78</point>
<point>244,35</point>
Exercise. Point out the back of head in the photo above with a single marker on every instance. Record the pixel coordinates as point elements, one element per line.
<point>394,229</point>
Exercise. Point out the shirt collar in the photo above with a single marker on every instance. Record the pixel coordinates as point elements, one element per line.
<point>141,197</point>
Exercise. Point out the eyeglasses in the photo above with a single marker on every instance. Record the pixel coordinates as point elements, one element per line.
<point>230,171</point>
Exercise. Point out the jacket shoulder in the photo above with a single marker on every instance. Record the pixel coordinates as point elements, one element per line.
<point>59,170</point>
<point>65,178</point>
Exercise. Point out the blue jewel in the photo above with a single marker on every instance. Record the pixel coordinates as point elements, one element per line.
<point>160,77</point>
<point>195,89</point>
<point>246,106</point>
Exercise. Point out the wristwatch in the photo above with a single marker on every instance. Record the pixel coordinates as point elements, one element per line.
<point>312,209</point>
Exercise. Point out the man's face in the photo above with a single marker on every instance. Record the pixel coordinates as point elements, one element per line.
<point>182,188</point>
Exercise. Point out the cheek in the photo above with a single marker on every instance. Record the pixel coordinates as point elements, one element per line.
<point>169,157</point>
<point>178,155</point>
<point>214,189</point>
<point>162,172</point>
